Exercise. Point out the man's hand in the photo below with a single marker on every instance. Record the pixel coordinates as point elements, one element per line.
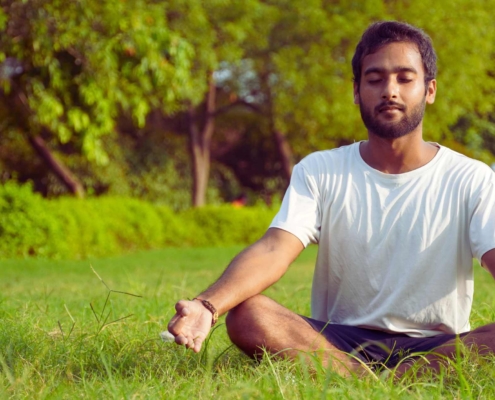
<point>252,271</point>
<point>190,324</point>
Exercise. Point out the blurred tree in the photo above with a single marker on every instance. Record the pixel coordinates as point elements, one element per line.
<point>256,84</point>
<point>70,68</point>
<point>282,87</point>
<point>219,31</point>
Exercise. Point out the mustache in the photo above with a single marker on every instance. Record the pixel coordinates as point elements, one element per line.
<point>385,104</point>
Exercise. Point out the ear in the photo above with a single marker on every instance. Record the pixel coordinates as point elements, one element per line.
<point>356,93</point>
<point>431,91</point>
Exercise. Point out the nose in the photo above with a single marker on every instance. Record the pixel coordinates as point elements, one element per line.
<point>390,89</point>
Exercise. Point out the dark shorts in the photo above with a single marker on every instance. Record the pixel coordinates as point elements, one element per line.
<point>377,348</point>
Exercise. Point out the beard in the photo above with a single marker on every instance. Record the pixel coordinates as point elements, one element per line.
<point>393,130</point>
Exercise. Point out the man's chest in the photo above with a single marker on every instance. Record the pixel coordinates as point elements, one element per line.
<point>365,213</point>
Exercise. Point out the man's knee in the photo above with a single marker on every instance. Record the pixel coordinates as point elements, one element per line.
<point>247,326</point>
<point>485,329</point>
<point>483,338</point>
<point>242,318</point>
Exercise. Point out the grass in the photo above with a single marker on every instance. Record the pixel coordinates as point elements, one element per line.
<point>60,338</point>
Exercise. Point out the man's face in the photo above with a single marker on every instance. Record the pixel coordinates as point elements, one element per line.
<point>392,93</point>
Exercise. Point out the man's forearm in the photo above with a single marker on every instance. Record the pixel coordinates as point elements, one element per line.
<point>253,270</point>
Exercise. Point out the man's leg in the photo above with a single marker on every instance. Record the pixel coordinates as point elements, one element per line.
<point>261,323</point>
<point>480,340</point>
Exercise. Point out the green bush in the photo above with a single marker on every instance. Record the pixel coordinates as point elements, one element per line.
<point>24,223</point>
<point>227,225</point>
<point>69,228</point>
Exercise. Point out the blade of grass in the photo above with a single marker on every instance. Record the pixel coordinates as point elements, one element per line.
<point>127,293</point>
<point>99,277</point>
<point>94,312</point>
<point>114,322</point>
<point>105,305</point>
<point>6,370</point>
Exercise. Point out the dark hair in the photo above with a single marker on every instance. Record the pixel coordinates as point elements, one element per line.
<point>382,33</point>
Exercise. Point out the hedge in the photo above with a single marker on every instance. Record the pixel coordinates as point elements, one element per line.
<point>68,228</point>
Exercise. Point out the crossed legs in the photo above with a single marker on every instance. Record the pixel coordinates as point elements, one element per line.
<point>261,323</point>
<point>479,341</point>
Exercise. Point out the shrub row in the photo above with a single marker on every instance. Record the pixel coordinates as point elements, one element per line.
<point>68,228</point>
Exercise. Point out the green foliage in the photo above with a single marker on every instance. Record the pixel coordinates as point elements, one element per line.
<point>88,64</point>
<point>87,61</point>
<point>69,228</point>
<point>224,225</point>
<point>24,224</point>
<point>218,31</point>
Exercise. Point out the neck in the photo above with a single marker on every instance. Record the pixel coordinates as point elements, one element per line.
<point>396,156</point>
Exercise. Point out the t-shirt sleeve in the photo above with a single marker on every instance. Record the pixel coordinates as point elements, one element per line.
<point>482,224</point>
<point>300,210</point>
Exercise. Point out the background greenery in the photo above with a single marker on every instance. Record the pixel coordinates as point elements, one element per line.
<point>54,346</point>
<point>69,228</point>
<point>187,102</point>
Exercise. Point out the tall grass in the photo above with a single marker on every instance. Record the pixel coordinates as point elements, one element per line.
<point>66,333</point>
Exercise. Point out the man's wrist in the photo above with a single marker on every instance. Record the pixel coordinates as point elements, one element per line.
<point>211,308</point>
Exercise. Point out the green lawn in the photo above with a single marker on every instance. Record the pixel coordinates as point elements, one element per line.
<point>57,339</point>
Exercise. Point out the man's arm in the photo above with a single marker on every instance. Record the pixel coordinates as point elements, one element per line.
<point>252,271</point>
<point>488,261</point>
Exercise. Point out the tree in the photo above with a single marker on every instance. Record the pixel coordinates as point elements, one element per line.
<point>84,63</point>
<point>294,71</point>
<point>219,31</point>
<point>262,82</point>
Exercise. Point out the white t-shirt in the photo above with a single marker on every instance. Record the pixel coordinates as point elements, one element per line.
<point>395,250</point>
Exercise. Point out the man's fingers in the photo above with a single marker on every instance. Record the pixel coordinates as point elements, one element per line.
<point>197,345</point>
<point>193,344</point>
<point>181,308</point>
<point>189,326</point>
<point>181,340</point>
<point>176,323</point>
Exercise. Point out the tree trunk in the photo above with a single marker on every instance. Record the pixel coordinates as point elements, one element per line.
<point>66,177</point>
<point>281,142</point>
<point>200,146</point>
<point>60,170</point>
<point>285,153</point>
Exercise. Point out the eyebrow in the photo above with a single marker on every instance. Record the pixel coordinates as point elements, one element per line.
<point>398,69</point>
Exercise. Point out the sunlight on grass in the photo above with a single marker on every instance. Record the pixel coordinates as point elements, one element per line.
<point>66,332</point>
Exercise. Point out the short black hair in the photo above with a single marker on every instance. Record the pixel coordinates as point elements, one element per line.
<point>382,33</point>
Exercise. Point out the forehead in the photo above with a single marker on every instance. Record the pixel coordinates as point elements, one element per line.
<point>392,57</point>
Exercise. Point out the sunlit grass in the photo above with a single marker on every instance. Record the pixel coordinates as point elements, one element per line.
<point>66,334</point>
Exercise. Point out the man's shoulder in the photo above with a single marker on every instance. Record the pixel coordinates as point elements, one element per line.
<point>327,158</point>
<point>464,164</point>
<point>457,167</point>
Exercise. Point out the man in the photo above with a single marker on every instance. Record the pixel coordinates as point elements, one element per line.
<point>398,221</point>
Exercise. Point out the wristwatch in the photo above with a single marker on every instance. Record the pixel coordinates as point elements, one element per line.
<point>211,308</point>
